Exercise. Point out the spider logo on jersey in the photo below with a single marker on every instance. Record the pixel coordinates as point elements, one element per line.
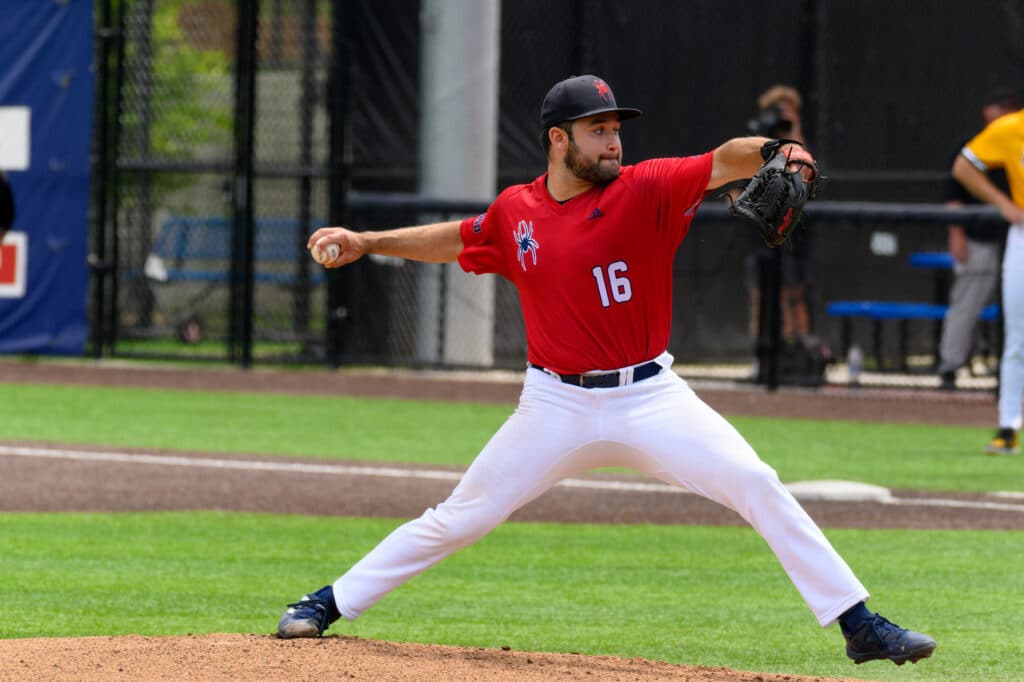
<point>523,236</point>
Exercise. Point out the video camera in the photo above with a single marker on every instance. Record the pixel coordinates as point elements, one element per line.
<point>770,123</point>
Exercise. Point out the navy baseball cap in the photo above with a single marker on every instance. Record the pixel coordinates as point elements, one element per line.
<point>578,97</point>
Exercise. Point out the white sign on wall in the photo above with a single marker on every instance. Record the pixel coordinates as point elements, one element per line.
<point>15,127</point>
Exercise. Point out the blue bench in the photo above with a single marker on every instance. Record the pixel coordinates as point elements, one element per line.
<point>198,249</point>
<point>940,260</point>
<point>903,311</point>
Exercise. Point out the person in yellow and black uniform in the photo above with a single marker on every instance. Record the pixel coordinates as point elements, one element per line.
<point>1000,145</point>
<point>976,250</point>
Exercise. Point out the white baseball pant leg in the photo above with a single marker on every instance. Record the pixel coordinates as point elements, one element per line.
<point>688,444</point>
<point>1011,367</point>
<point>658,426</point>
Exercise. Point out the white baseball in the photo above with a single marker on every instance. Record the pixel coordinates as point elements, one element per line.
<point>325,255</point>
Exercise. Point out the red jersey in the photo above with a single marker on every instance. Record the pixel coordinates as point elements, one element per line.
<point>594,274</point>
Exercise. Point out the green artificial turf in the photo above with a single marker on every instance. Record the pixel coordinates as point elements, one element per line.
<point>892,455</point>
<point>694,595</point>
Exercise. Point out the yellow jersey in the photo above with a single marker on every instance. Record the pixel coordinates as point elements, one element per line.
<point>1001,145</point>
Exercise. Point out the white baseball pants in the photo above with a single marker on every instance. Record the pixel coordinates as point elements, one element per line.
<point>1011,367</point>
<point>657,426</point>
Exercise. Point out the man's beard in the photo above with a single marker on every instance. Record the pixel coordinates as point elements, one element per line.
<point>593,173</point>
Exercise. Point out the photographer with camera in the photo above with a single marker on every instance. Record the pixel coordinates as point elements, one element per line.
<point>779,116</point>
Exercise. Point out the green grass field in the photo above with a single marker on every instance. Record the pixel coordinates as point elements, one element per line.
<point>696,595</point>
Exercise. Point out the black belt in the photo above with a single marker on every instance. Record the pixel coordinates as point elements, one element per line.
<point>604,379</point>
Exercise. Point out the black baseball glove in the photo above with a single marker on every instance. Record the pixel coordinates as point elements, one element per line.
<point>774,198</point>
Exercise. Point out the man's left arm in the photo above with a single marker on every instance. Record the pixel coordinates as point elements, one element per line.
<point>740,158</point>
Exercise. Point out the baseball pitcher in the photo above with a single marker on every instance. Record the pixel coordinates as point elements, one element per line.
<point>590,246</point>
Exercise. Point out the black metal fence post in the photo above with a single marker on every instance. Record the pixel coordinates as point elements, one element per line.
<point>112,315</point>
<point>339,283</point>
<point>242,232</point>
<point>99,261</point>
<point>300,296</point>
<point>769,331</point>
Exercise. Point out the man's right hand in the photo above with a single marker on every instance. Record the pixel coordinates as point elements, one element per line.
<point>351,245</point>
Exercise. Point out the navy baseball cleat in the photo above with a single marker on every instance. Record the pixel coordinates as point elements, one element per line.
<point>878,639</point>
<point>309,616</point>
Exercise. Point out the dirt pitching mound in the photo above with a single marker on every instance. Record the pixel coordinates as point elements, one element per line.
<point>264,657</point>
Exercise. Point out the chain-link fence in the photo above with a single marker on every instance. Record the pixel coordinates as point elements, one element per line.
<point>177,190</point>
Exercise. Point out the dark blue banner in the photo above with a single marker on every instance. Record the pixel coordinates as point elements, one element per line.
<point>46,92</point>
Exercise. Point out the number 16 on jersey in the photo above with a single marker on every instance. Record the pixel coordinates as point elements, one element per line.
<point>610,279</point>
